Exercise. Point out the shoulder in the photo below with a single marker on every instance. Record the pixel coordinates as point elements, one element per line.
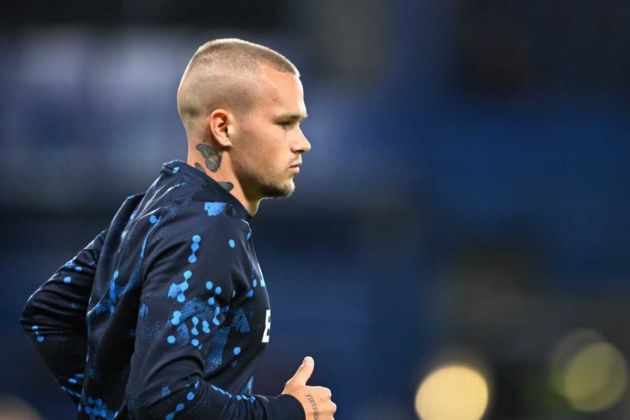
<point>209,217</point>
<point>198,239</point>
<point>213,226</point>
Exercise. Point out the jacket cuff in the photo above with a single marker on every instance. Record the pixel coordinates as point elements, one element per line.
<point>286,407</point>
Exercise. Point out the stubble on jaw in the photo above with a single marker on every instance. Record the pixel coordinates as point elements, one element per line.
<point>270,190</point>
<point>257,183</point>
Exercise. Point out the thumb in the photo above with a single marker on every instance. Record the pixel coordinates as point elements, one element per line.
<point>304,372</point>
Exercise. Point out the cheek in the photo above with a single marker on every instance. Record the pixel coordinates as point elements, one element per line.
<point>252,158</point>
<point>268,148</point>
<point>261,149</point>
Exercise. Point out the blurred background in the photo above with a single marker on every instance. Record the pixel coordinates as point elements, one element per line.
<point>458,244</point>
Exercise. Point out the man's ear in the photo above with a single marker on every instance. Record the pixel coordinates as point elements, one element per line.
<point>220,124</point>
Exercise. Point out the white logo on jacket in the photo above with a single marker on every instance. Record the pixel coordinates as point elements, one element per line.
<point>265,338</point>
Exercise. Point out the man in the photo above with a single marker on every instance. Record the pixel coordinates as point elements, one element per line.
<point>165,314</point>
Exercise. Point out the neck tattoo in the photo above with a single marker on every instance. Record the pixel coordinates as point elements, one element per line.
<point>225,184</point>
<point>212,156</point>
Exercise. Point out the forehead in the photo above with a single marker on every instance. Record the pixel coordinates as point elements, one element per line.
<point>280,92</point>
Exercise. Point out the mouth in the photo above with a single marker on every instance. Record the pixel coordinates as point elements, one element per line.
<point>295,168</point>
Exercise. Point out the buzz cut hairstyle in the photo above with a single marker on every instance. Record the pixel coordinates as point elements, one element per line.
<point>238,55</point>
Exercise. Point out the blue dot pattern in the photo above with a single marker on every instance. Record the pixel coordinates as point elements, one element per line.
<point>214,209</point>
<point>117,291</point>
<point>180,406</point>
<point>38,337</point>
<point>76,378</point>
<point>95,408</point>
<point>174,277</point>
<point>194,248</point>
<point>73,266</point>
<point>144,310</point>
<point>177,290</point>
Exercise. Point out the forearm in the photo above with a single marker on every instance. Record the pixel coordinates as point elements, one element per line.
<point>203,400</point>
<point>64,356</point>
<point>62,347</point>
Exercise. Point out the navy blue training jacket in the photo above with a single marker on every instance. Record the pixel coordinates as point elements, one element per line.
<point>165,314</point>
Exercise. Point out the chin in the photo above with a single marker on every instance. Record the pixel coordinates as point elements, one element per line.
<point>278,190</point>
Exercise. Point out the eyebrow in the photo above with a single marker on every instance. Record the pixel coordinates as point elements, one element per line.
<point>293,117</point>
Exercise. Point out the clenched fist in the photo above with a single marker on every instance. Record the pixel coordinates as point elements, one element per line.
<point>316,400</point>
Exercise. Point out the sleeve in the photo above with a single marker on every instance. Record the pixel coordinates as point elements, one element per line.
<point>54,317</point>
<point>190,275</point>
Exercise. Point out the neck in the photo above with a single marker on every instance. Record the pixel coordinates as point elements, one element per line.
<point>224,175</point>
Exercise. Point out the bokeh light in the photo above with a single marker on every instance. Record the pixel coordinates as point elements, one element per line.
<point>589,372</point>
<point>453,392</point>
<point>14,408</point>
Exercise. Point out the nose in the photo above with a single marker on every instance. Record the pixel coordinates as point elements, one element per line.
<point>302,145</point>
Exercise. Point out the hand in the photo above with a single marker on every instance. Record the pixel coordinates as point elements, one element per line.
<point>314,399</point>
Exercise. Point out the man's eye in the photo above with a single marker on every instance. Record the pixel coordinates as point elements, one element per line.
<point>285,124</point>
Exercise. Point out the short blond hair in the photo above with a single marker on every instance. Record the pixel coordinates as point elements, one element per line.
<point>239,54</point>
<point>215,75</point>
